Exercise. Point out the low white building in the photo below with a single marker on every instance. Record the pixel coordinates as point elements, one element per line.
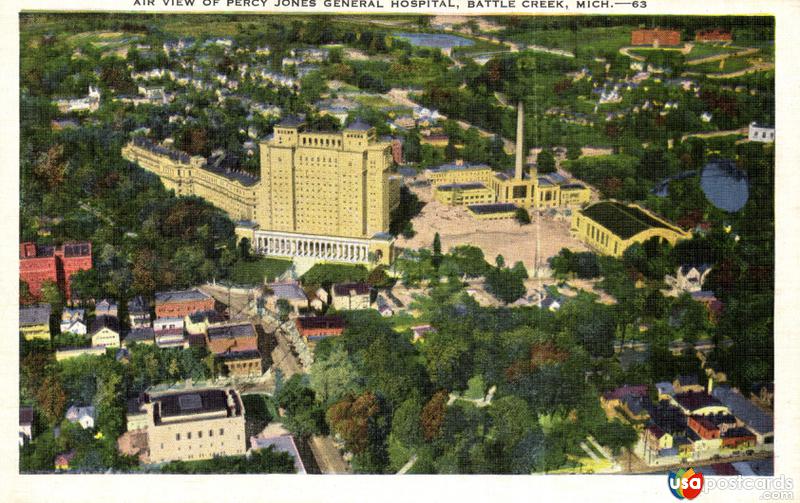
<point>73,321</point>
<point>761,133</point>
<point>85,416</point>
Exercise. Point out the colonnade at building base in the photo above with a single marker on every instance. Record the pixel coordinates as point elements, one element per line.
<point>323,248</point>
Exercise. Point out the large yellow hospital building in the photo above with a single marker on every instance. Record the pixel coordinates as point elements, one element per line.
<point>327,196</point>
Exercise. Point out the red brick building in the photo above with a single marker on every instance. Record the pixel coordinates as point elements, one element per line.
<point>714,35</point>
<point>397,150</point>
<point>314,328</point>
<point>38,264</point>
<point>181,303</point>
<point>655,37</point>
<point>738,437</point>
<point>704,427</point>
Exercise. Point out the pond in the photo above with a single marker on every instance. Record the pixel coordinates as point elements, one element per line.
<point>725,185</point>
<point>439,40</point>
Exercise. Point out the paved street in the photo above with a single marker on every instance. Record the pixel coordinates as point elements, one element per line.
<point>327,455</point>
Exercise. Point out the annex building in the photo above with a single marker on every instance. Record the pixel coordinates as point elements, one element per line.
<point>610,227</point>
<point>322,195</point>
<point>483,190</point>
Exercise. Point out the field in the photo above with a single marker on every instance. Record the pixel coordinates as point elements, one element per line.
<point>254,271</point>
<point>591,39</point>
<point>728,65</point>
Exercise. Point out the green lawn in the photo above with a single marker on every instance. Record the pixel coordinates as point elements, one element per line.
<point>591,39</point>
<point>252,272</point>
<point>733,64</point>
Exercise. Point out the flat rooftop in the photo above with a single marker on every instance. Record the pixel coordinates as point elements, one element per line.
<point>458,167</point>
<point>180,296</point>
<point>624,221</point>
<point>488,209</point>
<point>34,315</point>
<point>193,402</point>
<point>231,330</point>
<point>460,186</point>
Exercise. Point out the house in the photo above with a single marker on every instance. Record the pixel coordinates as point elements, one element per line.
<point>168,323</point>
<point>106,307</point>
<point>610,400</point>
<point>25,425</point>
<point>63,460</point>
<point>761,133</point>
<point>105,331</point>
<point>138,312</point>
<point>657,439</point>
<point>34,322</point>
<point>764,393</point>
<point>351,296</point>
<point>198,322</point>
<point>738,437</point>
<point>551,303</point>
<point>144,335</point>
<point>383,305</point>
<point>713,305</point>
<point>180,303</point>
<point>688,278</point>
<point>686,383</point>
<point>420,331</point>
<point>635,407</point>
<point>665,390</point>
<point>713,35</point>
<point>290,291</point>
<point>322,294</point>
<point>85,416</point>
<point>170,338</point>
<point>236,345</point>
<point>73,321</point>
<point>314,328</point>
<point>698,403</point>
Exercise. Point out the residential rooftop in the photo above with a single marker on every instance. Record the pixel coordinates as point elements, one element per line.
<point>34,315</point>
<point>180,296</point>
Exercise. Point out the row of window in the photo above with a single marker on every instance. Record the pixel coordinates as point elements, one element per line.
<point>199,434</point>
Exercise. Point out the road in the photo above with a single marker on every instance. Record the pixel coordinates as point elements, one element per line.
<point>639,466</point>
<point>283,357</point>
<point>327,455</point>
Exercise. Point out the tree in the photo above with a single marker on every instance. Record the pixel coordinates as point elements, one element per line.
<point>574,151</point>
<point>52,295</point>
<point>51,398</point>
<point>450,151</point>
<point>436,259</point>
<point>304,416</point>
<point>447,358</point>
<point>522,216</point>
<point>432,416</point>
<point>284,308</point>
<point>545,162</point>
<point>333,377</point>
<point>406,426</point>
<point>244,248</point>
<point>351,418</point>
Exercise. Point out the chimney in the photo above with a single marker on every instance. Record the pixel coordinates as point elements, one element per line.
<point>519,157</point>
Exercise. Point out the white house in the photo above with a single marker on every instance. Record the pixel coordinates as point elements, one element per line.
<point>84,416</point>
<point>72,320</point>
<point>761,133</point>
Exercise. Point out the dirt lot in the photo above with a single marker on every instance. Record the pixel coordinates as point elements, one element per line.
<point>495,237</point>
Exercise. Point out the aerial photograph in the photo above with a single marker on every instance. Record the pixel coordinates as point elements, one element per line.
<point>396,244</point>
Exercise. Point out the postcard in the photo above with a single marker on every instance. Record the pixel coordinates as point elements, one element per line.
<point>476,249</point>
